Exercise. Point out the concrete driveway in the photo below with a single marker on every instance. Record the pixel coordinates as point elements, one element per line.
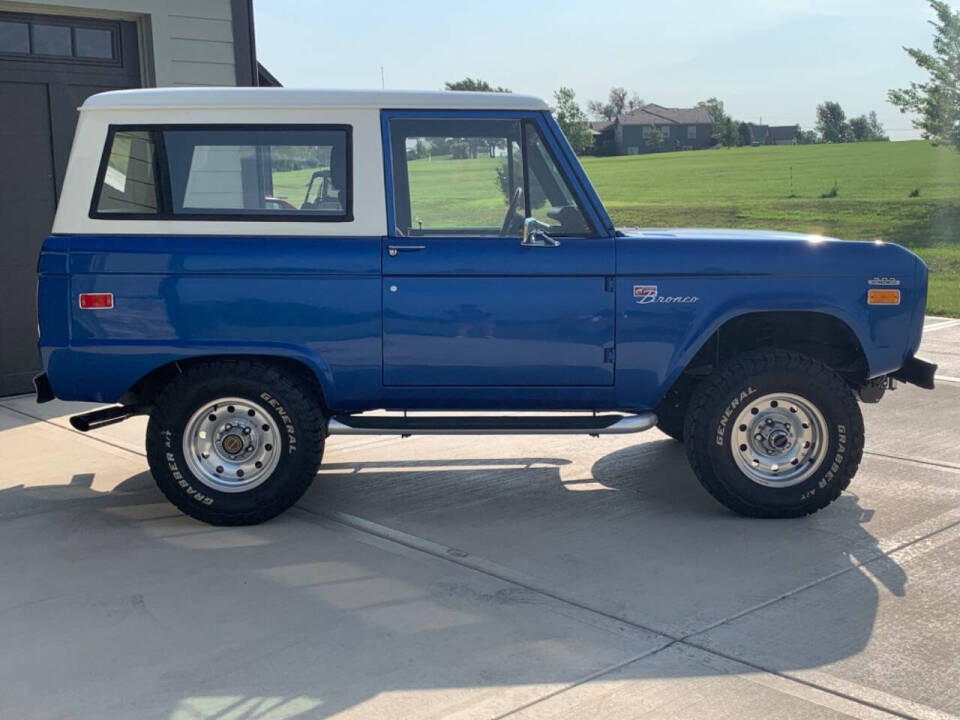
<point>471,577</point>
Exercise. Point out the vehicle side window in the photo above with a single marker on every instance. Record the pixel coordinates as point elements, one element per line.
<point>232,173</point>
<point>466,176</point>
<point>129,179</point>
<point>551,199</point>
<point>455,176</point>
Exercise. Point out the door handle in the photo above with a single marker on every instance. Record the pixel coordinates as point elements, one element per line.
<point>393,250</point>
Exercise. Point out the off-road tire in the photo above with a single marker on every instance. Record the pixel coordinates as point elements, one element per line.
<point>711,417</point>
<point>289,400</point>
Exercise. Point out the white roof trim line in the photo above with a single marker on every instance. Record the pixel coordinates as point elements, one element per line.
<point>296,98</point>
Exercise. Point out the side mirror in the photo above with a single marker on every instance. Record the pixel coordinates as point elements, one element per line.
<point>535,234</point>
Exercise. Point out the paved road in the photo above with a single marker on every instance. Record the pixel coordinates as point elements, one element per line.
<point>480,577</point>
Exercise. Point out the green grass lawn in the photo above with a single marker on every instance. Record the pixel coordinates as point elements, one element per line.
<point>752,188</point>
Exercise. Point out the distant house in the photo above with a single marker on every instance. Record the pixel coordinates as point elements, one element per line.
<point>773,134</point>
<point>680,129</point>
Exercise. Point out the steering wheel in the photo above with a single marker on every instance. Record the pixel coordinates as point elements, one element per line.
<point>511,215</point>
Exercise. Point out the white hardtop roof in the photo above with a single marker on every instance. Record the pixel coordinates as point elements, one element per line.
<point>272,97</point>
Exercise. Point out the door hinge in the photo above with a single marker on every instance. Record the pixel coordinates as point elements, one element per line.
<point>609,283</point>
<point>609,354</point>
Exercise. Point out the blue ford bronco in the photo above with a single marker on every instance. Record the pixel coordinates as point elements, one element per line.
<point>258,269</point>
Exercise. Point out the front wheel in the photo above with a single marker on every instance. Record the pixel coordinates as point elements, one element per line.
<point>235,442</point>
<point>774,434</point>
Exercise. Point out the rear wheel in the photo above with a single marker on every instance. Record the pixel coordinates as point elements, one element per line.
<point>235,442</point>
<point>774,434</point>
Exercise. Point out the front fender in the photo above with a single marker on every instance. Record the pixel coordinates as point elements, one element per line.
<point>656,340</point>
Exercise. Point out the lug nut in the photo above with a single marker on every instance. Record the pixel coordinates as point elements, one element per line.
<point>219,468</point>
<point>246,431</point>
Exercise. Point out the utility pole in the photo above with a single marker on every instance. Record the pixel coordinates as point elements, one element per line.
<point>383,83</point>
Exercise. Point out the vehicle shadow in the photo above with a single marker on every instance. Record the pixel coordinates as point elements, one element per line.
<point>632,534</point>
<point>293,619</point>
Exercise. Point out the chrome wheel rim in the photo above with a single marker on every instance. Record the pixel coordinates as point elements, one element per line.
<point>779,440</point>
<point>232,444</point>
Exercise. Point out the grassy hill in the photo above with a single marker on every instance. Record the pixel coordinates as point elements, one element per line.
<point>752,188</point>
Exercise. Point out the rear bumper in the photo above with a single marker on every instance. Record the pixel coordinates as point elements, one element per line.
<point>44,391</point>
<point>917,372</point>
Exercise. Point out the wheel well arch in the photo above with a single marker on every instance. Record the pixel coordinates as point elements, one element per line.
<point>145,390</point>
<point>817,334</point>
<point>820,335</point>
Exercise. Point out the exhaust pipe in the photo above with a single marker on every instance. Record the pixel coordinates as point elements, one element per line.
<point>106,416</point>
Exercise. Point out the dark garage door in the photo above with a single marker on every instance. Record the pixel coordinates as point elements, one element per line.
<point>48,66</point>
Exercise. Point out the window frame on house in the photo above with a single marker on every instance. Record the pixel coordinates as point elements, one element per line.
<point>31,54</point>
<point>691,132</point>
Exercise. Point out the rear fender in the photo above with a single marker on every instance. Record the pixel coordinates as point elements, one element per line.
<point>105,373</point>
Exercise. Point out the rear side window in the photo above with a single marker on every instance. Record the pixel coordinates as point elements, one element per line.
<point>128,183</point>
<point>236,173</point>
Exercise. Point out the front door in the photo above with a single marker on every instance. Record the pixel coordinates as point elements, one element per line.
<point>465,303</point>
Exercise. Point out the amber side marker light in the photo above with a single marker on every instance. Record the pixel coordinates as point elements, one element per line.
<point>883,297</point>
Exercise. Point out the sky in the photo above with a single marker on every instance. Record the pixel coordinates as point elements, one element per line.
<point>767,60</point>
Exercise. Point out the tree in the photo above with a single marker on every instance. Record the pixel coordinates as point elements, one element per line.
<point>477,85</point>
<point>618,99</point>
<point>876,129</point>
<point>572,120</point>
<point>616,104</point>
<point>602,110</point>
<point>936,101</point>
<point>866,128</point>
<point>718,117</point>
<point>714,109</point>
<point>729,132</point>
<point>745,133</point>
<point>832,122</point>
<point>635,103</point>
<point>860,128</point>
<point>805,137</point>
<point>655,139</point>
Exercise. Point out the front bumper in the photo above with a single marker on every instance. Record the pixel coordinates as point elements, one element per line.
<point>917,372</point>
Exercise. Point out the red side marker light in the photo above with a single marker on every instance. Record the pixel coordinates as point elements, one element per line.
<point>96,301</point>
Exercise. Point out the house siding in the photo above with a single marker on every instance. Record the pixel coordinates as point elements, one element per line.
<point>632,137</point>
<point>182,42</point>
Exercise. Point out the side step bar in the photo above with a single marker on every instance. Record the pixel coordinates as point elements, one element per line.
<point>492,425</point>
